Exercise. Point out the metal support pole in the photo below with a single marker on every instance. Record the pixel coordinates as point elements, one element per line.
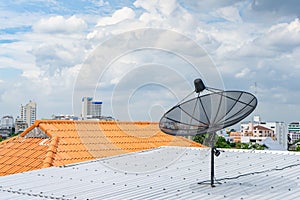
<point>212,160</point>
<point>212,167</point>
<point>214,152</point>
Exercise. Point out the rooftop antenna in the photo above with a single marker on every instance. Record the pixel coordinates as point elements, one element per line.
<point>255,93</point>
<point>206,114</point>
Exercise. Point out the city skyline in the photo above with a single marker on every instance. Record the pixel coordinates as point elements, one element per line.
<point>253,44</point>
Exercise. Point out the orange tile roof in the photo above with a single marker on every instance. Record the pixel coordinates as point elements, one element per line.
<point>55,142</point>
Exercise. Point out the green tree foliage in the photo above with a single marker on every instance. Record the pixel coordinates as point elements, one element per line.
<point>255,146</point>
<point>199,138</point>
<point>258,146</point>
<point>240,145</point>
<point>222,143</point>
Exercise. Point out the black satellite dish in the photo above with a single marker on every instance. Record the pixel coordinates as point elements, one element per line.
<point>207,113</point>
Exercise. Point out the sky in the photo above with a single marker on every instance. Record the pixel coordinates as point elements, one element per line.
<point>140,57</point>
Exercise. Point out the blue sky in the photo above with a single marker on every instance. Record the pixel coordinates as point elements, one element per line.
<point>44,45</point>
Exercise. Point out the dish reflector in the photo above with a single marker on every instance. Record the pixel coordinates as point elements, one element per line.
<point>208,113</point>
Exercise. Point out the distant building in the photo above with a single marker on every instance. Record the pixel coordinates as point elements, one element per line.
<point>7,126</point>
<point>20,125</point>
<point>64,117</point>
<point>279,129</point>
<point>107,118</point>
<point>259,135</point>
<point>234,137</point>
<point>294,127</point>
<point>7,122</point>
<point>28,113</point>
<point>91,109</point>
<point>294,134</point>
<point>5,133</point>
<point>261,131</point>
<point>293,137</point>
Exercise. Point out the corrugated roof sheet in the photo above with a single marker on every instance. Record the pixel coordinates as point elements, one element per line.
<point>164,173</point>
<point>54,143</point>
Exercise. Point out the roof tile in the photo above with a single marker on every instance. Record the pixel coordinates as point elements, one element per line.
<point>69,142</point>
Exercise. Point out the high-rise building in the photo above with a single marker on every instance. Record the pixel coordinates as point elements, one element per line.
<point>91,109</point>
<point>28,113</point>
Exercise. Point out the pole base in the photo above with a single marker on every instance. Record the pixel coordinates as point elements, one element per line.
<point>208,183</point>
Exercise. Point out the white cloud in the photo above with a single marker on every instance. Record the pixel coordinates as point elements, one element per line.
<point>47,91</point>
<point>117,17</point>
<point>230,13</point>
<point>16,55</point>
<point>251,44</point>
<point>245,72</point>
<point>95,34</point>
<point>283,36</point>
<point>53,58</point>
<point>60,24</point>
<point>149,18</point>
<point>157,6</point>
<point>101,2</point>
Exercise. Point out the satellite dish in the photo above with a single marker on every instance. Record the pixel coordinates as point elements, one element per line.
<point>208,113</point>
<point>205,114</point>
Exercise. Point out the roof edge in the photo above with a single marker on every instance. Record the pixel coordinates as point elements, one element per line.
<point>28,130</point>
<point>36,124</point>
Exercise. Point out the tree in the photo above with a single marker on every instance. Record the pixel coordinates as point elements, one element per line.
<point>258,146</point>
<point>222,143</point>
<point>199,138</point>
<point>240,145</point>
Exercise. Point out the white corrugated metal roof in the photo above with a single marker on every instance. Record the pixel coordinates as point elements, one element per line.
<point>164,173</point>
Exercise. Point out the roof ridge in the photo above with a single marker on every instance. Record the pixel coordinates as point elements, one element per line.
<point>37,122</point>
<point>28,129</point>
<point>51,151</point>
<point>33,126</point>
